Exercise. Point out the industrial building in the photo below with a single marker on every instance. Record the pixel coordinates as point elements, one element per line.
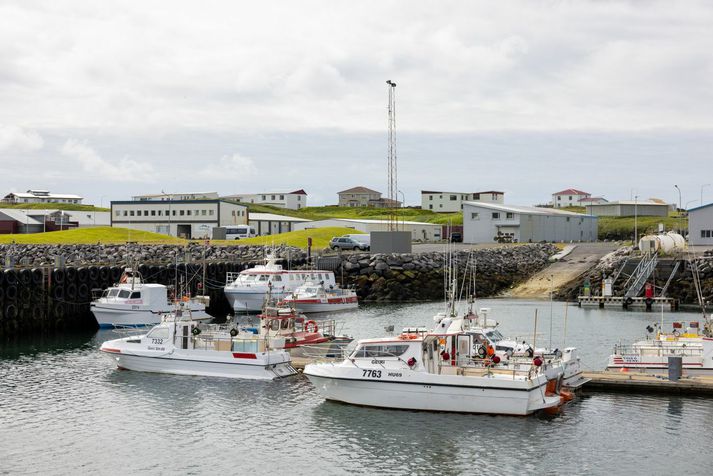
<point>182,218</point>
<point>16,220</point>
<point>628,208</point>
<point>700,225</point>
<point>271,224</point>
<point>491,222</point>
<point>41,196</point>
<point>444,202</point>
<point>419,231</point>
<point>291,200</point>
<point>176,196</point>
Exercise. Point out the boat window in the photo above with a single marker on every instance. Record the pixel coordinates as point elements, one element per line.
<point>136,295</point>
<point>277,278</point>
<point>494,335</point>
<point>263,277</point>
<point>113,292</point>
<point>380,350</point>
<point>158,333</point>
<point>124,293</point>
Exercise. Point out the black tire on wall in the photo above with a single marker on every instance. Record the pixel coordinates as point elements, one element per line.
<point>38,312</point>
<point>94,274</point>
<point>82,275</point>
<point>59,310</point>
<point>37,276</point>
<point>70,291</point>
<point>116,272</point>
<point>11,312</point>
<point>57,293</point>
<point>58,276</point>
<point>10,277</point>
<point>10,292</point>
<point>25,277</point>
<point>25,294</point>
<point>2,278</point>
<point>105,274</point>
<point>83,292</point>
<point>2,294</point>
<point>38,294</point>
<point>71,274</point>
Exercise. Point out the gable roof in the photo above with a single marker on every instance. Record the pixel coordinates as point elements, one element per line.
<point>700,207</point>
<point>298,192</point>
<point>571,191</point>
<point>359,189</point>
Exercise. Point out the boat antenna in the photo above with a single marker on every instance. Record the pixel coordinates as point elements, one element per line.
<point>564,338</point>
<point>534,334</point>
<point>552,284</point>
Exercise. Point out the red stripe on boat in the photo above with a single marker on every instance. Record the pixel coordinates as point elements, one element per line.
<point>109,349</point>
<point>244,355</point>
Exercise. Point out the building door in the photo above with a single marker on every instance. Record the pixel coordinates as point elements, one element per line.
<point>183,231</point>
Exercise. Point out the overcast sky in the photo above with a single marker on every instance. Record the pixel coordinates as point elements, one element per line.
<point>110,99</point>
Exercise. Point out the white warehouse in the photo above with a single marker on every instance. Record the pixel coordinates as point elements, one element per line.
<point>182,218</point>
<point>419,231</point>
<point>484,222</point>
<point>700,225</point>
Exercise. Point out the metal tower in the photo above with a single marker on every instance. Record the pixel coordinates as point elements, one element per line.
<point>393,187</point>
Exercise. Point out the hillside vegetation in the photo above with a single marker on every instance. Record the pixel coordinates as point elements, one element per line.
<point>100,234</point>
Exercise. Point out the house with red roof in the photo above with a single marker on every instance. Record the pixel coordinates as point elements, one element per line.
<point>569,198</point>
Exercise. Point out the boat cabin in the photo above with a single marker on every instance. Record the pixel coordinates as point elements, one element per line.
<point>147,294</point>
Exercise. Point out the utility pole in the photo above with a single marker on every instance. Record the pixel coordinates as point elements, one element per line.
<point>392,169</point>
<point>680,222</point>
<point>636,221</point>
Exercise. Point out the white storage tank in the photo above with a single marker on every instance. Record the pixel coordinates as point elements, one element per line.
<point>663,243</point>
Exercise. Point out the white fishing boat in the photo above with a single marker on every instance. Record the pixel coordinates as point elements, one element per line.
<point>316,297</point>
<point>134,303</point>
<point>651,355</point>
<point>438,371</point>
<point>180,345</point>
<point>247,289</point>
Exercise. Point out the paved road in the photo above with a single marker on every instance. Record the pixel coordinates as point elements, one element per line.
<point>584,257</point>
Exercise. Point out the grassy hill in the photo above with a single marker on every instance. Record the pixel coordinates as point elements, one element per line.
<point>321,213</point>
<point>55,206</point>
<point>320,238</point>
<point>100,234</point>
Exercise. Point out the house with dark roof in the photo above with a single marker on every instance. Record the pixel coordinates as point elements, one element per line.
<point>364,197</point>
<point>568,198</point>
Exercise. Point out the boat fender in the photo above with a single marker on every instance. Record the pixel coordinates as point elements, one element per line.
<point>196,331</point>
<point>311,326</point>
<point>233,332</point>
<point>529,352</point>
<point>629,301</point>
<point>496,359</point>
<point>411,362</point>
<point>482,352</point>
<point>676,333</point>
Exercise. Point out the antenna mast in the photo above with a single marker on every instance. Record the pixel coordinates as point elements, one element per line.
<point>393,188</point>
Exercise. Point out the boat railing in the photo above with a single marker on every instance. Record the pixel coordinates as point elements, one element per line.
<point>231,276</point>
<point>514,367</point>
<point>659,349</point>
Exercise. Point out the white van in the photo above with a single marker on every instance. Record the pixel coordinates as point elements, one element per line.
<point>237,232</point>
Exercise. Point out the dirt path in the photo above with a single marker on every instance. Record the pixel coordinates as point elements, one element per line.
<point>584,257</point>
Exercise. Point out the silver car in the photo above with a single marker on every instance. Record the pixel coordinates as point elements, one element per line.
<point>347,243</point>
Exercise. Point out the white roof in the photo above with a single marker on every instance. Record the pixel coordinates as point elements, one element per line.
<point>523,209</point>
<point>20,216</point>
<point>629,202</point>
<point>273,217</point>
<point>43,195</point>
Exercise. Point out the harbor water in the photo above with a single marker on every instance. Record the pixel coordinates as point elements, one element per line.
<point>66,409</point>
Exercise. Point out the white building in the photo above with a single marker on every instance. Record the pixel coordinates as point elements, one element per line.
<point>569,198</point>
<point>485,222</point>
<point>628,208</point>
<point>453,201</point>
<point>37,220</point>
<point>41,196</point>
<point>419,231</point>
<point>700,225</point>
<point>182,218</point>
<point>271,224</point>
<point>291,200</point>
<point>176,196</point>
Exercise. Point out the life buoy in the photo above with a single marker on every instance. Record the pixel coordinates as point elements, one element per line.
<point>196,331</point>
<point>491,351</point>
<point>629,301</point>
<point>311,326</point>
<point>676,333</point>
<point>233,332</point>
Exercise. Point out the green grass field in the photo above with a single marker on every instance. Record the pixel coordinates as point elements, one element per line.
<point>622,228</point>
<point>100,234</point>
<point>54,206</point>
<point>320,238</point>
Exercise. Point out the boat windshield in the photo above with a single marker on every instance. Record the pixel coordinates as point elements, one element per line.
<point>158,332</point>
<point>113,292</point>
<point>494,336</point>
<point>380,350</point>
<point>124,293</point>
<point>263,277</point>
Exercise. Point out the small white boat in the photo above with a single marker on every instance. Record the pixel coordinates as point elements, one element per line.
<point>133,303</point>
<point>179,345</point>
<point>316,297</point>
<point>438,371</point>
<point>693,344</point>
<point>247,289</point>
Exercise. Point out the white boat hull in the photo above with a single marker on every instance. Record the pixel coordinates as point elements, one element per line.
<point>308,307</point>
<point>251,301</point>
<point>417,392</point>
<point>110,316</point>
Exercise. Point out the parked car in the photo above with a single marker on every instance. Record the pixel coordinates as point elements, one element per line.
<point>361,238</point>
<point>456,237</point>
<point>347,243</point>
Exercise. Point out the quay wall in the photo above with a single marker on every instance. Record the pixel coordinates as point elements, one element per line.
<point>48,288</point>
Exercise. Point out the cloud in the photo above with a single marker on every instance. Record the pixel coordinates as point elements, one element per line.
<point>94,166</point>
<point>17,139</point>
<point>233,168</point>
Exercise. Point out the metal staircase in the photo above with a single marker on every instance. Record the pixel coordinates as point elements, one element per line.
<point>638,278</point>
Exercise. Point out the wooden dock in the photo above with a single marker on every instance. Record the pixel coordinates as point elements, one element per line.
<point>640,302</point>
<point>635,382</point>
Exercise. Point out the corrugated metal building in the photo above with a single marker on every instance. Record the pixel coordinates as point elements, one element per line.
<point>700,225</point>
<point>628,208</point>
<point>486,222</point>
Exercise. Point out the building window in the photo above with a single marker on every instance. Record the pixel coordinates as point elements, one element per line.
<point>131,213</point>
<point>476,196</point>
<point>168,212</point>
<point>263,197</point>
<point>153,213</point>
<point>182,212</point>
<point>570,198</point>
<point>160,213</point>
<point>454,197</point>
<point>475,216</point>
<point>188,212</point>
<point>117,213</point>
<point>210,212</point>
<point>203,212</point>
<point>567,218</point>
<point>440,205</point>
<point>146,213</point>
<point>125,213</point>
<point>299,198</point>
<point>430,197</point>
<point>509,215</point>
<point>495,196</point>
<point>282,197</point>
<point>559,197</point>
<point>430,206</point>
<point>496,215</point>
<point>173,212</point>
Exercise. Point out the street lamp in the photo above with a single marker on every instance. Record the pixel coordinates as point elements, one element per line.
<point>702,187</point>
<point>636,220</point>
<point>680,227</point>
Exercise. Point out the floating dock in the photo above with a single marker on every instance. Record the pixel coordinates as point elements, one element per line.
<point>635,382</point>
<point>650,304</point>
